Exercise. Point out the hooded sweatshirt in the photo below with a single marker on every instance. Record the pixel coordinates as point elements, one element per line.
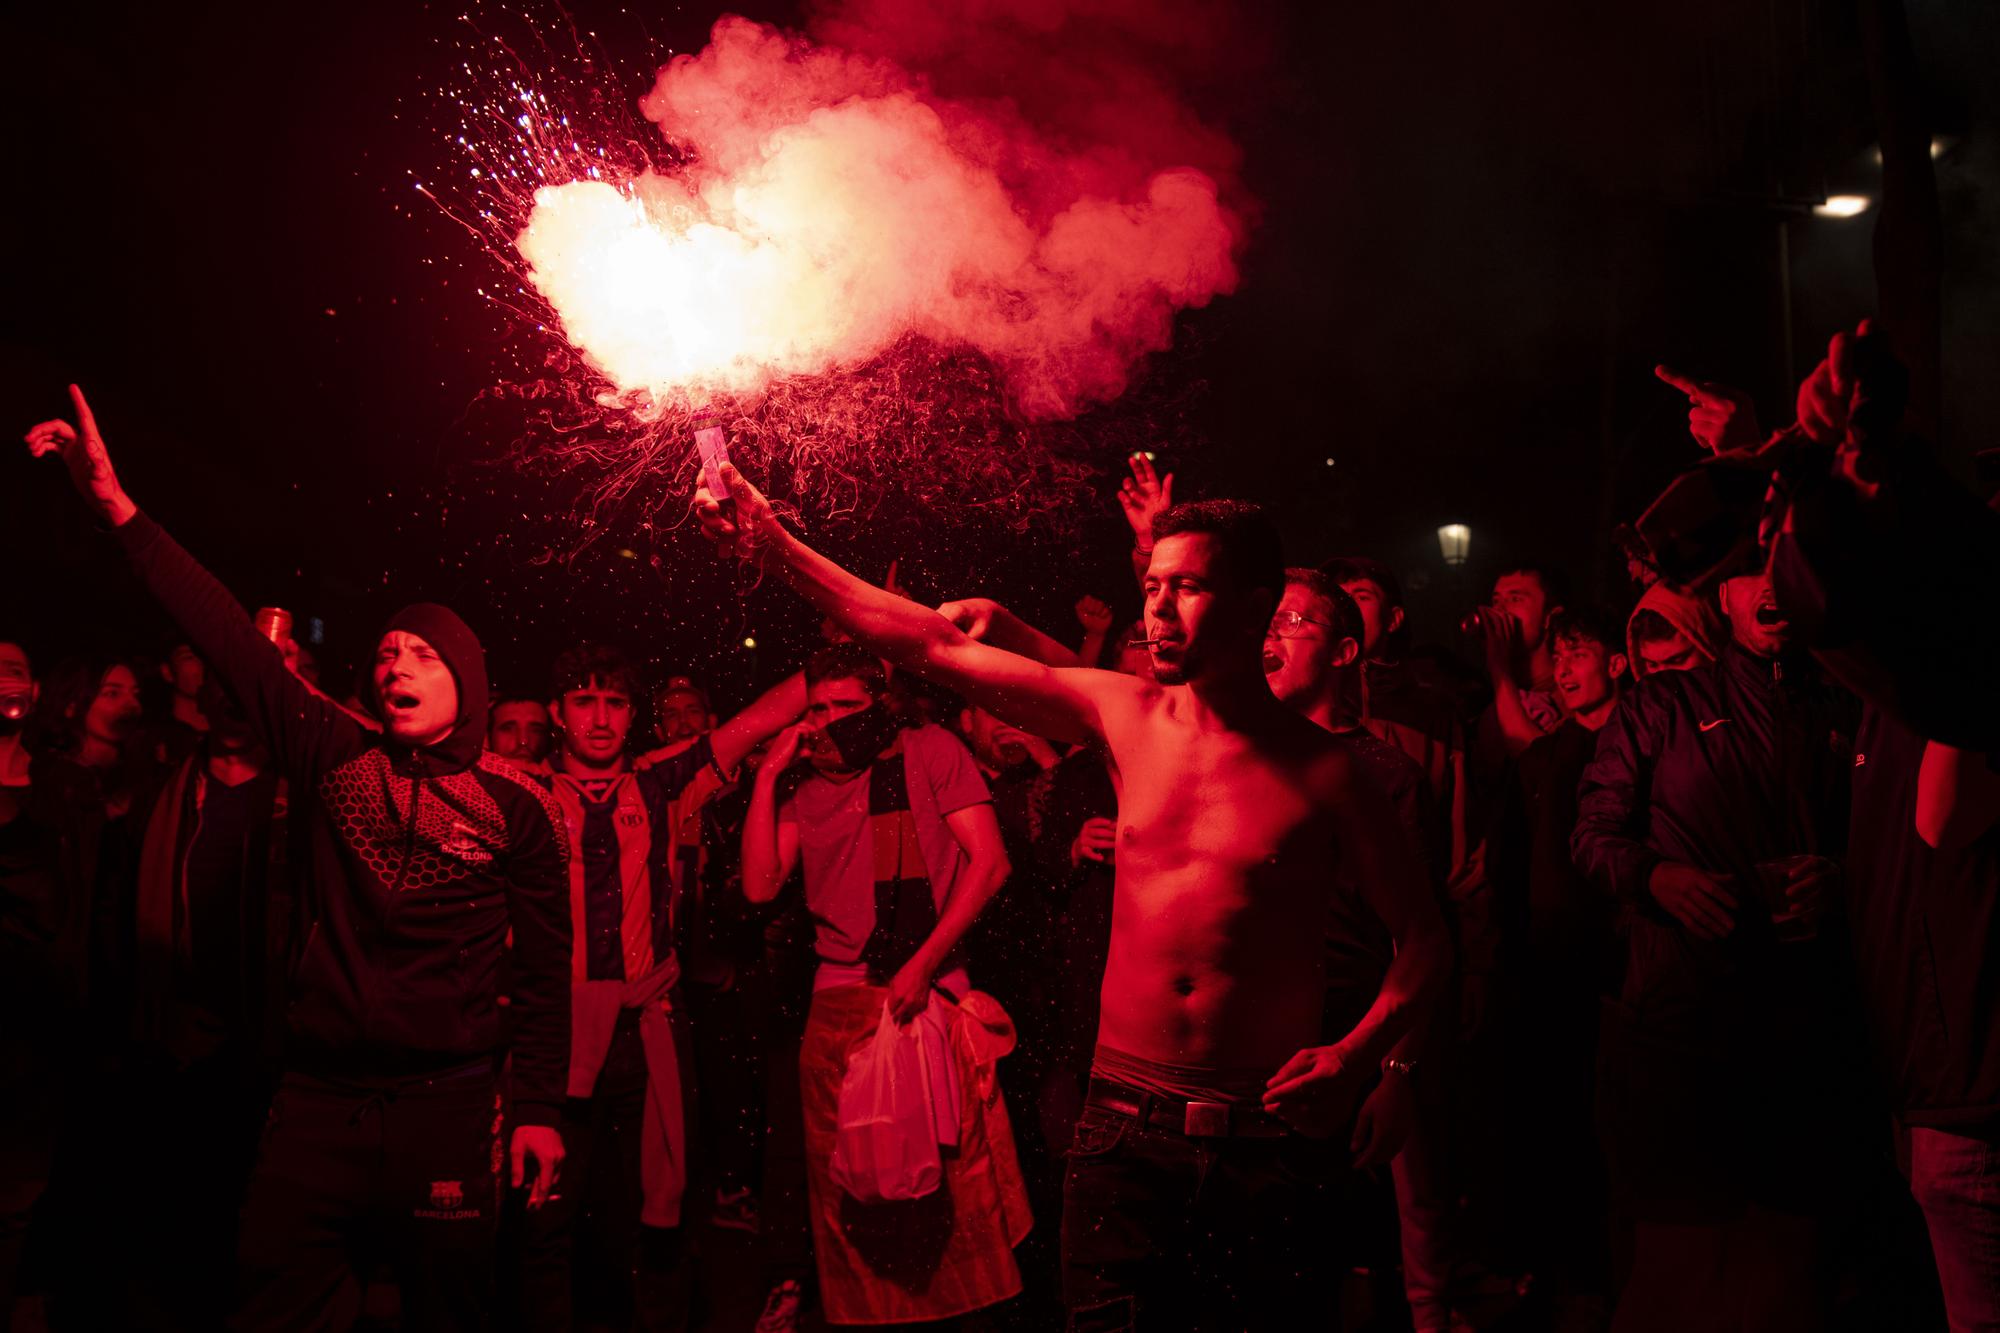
<point>1695,617</point>
<point>420,860</point>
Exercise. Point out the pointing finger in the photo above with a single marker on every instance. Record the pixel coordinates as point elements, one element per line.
<point>1668,375</point>
<point>86,421</point>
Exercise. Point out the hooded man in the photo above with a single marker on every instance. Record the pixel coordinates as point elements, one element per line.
<point>422,855</point>
<point>1672,630</point>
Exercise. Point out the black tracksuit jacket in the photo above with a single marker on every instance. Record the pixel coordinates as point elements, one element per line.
<point>1719,768</point>
<point>420,861</point>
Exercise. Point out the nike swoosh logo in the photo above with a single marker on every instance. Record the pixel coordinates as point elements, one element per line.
<point>1711,726</point>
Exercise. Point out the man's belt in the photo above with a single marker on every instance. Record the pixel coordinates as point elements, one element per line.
<point>1196,1120</point>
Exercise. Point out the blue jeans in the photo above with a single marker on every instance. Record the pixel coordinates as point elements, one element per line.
<point>1956,1181</point>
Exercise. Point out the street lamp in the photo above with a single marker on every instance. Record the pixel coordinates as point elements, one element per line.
<point>1455,541</point>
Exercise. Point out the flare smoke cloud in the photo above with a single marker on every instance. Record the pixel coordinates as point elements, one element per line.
<point>1020,178</point>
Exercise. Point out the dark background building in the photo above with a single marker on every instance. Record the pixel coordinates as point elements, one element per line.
<point>1478,229</point>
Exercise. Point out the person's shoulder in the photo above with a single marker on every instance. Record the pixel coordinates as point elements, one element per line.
<point>515,786</point>
<point>1396,770</point>
<point>931,741</point>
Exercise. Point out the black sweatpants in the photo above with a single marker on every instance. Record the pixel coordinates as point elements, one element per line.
<point>355,1174</point>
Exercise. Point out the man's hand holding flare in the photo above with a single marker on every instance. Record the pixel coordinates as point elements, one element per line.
<point>748,527</point>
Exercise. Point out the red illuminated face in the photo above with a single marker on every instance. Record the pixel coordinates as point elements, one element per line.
<point>114,711</point>
<point>1523,597</point>
<point>418,692</point>
<point>595,721</point>
<point>1676,652</point>
<point>1586,674</point>
<point>1755,619</point>
<point>519,729</point>
<point>1196,615</point>
<point>1301,653</point>
<point>1378,619</point>
<point>14,669</point>
<point>828,701</point>
<point>682,717</point>
<point>184,671</point>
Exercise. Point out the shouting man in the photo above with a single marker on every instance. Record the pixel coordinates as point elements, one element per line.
<point>1186,1184</point>
<point>423,856</point>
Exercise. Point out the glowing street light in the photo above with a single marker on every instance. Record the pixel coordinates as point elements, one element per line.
<point>1842,206</point>
<point>1455,541</point>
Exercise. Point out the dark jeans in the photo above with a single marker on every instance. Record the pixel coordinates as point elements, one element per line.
<point>1956,1181</point>
<point>1161,1231</point>
<point>640,1273</point>
<point>351,1174</point>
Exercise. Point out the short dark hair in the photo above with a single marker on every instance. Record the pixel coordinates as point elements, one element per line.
<point>500,701</point>
<point>1649,626</point>
<point>1346,569</point>
<point>1555,585</point>
<point>683,685</point>
<point>1346,622</point>
<point>599,662</point>
<point>1245,537</point>
<point>1587,623</point>
<point>848,661</point>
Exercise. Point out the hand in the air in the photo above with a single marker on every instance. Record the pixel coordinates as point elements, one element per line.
<point>1093,615</point>
<point>1826,397</point>
<point>1144,496</point>
<point>83,452</point>
<point>1720,418</point>
<point>746,526</point>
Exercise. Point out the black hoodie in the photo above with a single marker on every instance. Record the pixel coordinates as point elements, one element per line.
<point>420,860</point>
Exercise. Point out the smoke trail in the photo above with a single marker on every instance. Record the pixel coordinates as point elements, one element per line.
<point>1016,179</point>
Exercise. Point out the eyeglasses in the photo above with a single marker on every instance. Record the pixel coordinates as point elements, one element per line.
<point>1291,625</point>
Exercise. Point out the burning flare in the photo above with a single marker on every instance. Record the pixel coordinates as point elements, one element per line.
<point>830,204</point>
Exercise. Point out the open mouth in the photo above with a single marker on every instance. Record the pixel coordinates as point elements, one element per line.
<point>400,701</point>
<point>1273,664</point>
<point>1769,615</point>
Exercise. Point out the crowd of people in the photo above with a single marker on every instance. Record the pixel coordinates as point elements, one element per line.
<point>1263,970</point>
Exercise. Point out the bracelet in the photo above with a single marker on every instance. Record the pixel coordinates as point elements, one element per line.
<point>1141,547</point>
<point>1391,1065</point>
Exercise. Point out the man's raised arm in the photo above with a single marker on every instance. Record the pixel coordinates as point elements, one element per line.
<point>1048,702</point>
<point>304,730</point>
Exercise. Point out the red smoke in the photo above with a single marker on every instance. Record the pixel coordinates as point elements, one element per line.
<point>1023,179</point>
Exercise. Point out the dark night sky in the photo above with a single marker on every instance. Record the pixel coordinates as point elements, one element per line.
<point>1480,227</point>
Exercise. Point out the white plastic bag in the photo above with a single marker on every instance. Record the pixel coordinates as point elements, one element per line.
<point>885,1144</point>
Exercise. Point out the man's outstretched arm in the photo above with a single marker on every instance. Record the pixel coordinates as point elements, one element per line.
<point>1048,702</point>
<point>306,731</point>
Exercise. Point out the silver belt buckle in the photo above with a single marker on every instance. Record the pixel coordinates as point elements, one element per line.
<point>1206,1120</point>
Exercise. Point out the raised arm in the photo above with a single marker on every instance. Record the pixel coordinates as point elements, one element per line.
<point>773,711</point>
<point>1049,702</point>
<point>770,846</point>
<point>304,730</point>
<point>991,623</point>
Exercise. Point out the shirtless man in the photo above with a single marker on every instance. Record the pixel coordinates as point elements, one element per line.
<point>1187,1183</point>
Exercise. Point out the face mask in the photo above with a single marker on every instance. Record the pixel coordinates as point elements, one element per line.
<point>859,737</point>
